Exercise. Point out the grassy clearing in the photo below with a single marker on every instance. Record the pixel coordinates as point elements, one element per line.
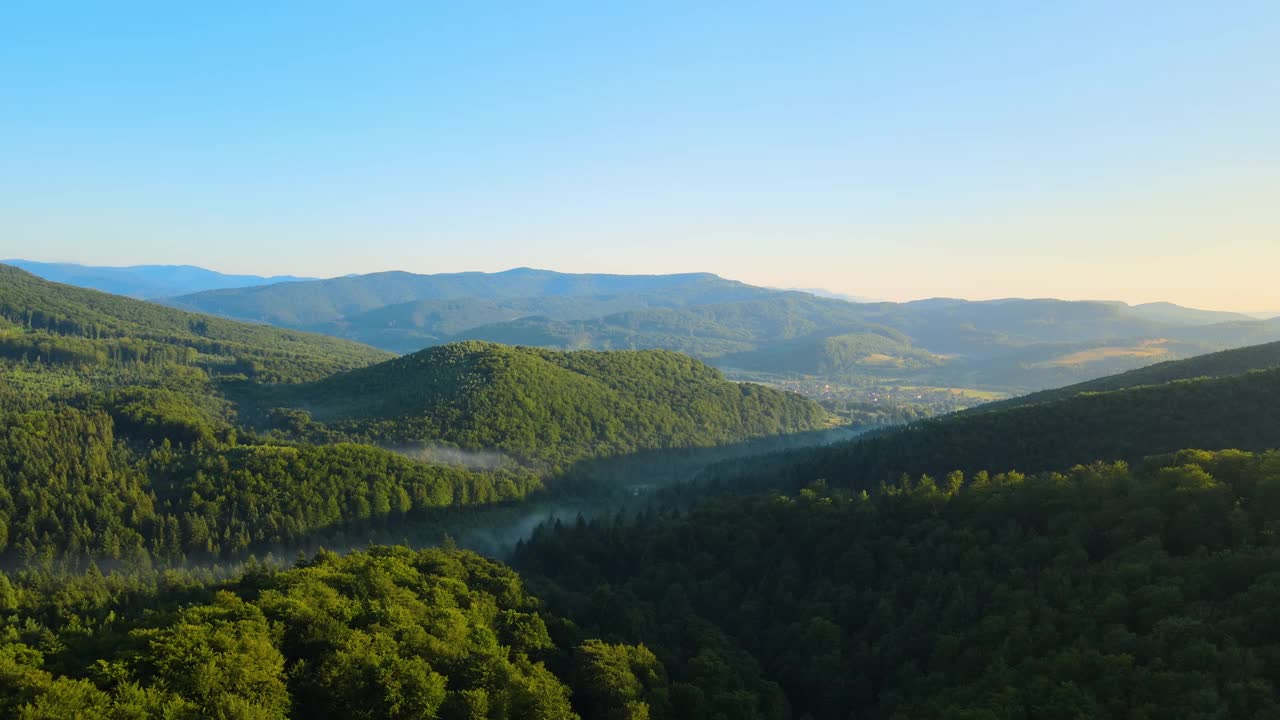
<point>973,393</point>
<point>1153,351</point>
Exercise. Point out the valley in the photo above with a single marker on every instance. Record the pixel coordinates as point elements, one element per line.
<point>1006,346</point>
<point>639,361</point>
<point>206,518</point>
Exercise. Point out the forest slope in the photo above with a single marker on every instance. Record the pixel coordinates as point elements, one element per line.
<point>1240,410</point>
<point>313,304</point>
<point>1108,591</point>
<point>1011,345</point>
<point>388,634</point>
<point>547,406</point>
<point>70,326</point>
<point>1212,365</point>
<point>145,281</point>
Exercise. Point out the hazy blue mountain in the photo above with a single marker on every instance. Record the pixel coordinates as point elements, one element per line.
<point>331,301</point>
<point>1221,364</point>
<point>406,327</point>
<point>1171,313</point>
<point>1009,345</point>
<point>824,293</point>
<point>1218,401</point>
<point>144,281</point>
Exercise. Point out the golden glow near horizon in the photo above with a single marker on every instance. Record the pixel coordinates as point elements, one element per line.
<point>1126,151</point>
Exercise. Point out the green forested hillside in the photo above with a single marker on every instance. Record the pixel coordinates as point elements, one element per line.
<point>1010,346</point>
<point>165,448</point>
<point>1057,429</point>
<point>876,350</point>
<point>1104,592</point>
<point>136,433</point>
<point>1169,312</point>
<point>71,489</point>
<point>546,406</point>
<point>1211,365</point>
<point>96,334</point>
<point>312,304</point>
<point>386,634</point>
<point>144,281</point>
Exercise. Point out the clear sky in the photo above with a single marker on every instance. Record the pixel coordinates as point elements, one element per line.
<point>1120,150</point>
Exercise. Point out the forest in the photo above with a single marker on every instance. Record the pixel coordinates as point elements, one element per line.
<point>665,543</point>
<point>1066,427</point>
<point>136,433</point>
<point>1104,591</point>
<point>1009,346</point>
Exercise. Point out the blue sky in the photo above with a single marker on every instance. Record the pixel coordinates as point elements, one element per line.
<point>898,150</point>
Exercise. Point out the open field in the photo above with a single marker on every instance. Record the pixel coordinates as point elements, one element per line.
<point>1153,351</point>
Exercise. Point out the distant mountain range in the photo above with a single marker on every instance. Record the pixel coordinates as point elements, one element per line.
<point>1229,399</point>
<point>823,292</point>
<point>167,372</point>
<point>1012,345</point>
<point>147,282</point>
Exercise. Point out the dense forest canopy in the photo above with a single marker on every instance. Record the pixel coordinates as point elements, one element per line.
<point>388,633</point>
<point>1056,429</point>
<point>62,324</point>
<point>545,406</point>
<point>1107,591</point>
<point>149,455</point>
<point>1211,365</point>
<point>134,433</point>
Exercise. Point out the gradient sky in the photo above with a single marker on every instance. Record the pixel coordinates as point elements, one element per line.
<point>1119,150</point>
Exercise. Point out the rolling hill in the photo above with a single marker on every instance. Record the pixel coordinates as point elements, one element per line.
<point>75,328</point>
<point>323,302</point>
<point>146,282</point>
<point>144,437</point>
<point>545,406</point>
<point>1008,346</point>
<point>137,433</point>
<point>1107,591</point>
<point>1171,313</point>
<point>1224,363</point>
<point>921,573</point>
<point>1226,400</point>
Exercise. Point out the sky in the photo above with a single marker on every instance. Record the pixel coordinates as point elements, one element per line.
<point>1082,150</point>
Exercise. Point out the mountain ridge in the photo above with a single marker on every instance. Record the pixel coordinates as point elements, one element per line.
<point>1007,346</point>
<point>146,282</point>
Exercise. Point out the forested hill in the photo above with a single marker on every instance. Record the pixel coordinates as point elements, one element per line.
<point>120,439</point>
<point>1212,365</point>
<point>388,634</point>
<point>145,281</point>
<point>547,406</point>
<point>1239,410</point>
<point>318,302</point>
<point>1007,346</point>
<point>1109,592</point>
<point>71,326</point>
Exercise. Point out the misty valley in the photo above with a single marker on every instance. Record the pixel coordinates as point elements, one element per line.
<point>790,508</point>
<point>640,361</point>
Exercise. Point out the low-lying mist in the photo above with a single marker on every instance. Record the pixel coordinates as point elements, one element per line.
<point>623,485</point>
<point>437,454</point>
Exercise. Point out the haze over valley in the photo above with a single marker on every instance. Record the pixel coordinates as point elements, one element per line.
<point>651,361</point>
<point>870,362</point>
